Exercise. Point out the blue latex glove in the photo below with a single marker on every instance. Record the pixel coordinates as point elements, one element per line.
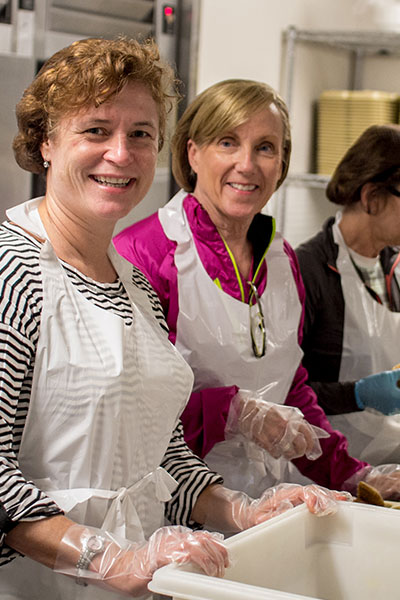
<point>380,391</point>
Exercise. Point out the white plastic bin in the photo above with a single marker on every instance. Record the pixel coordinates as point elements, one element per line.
<point>354,554</point>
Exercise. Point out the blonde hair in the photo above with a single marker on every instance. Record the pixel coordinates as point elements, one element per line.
<point>223,106</point>
<point>88,72</point>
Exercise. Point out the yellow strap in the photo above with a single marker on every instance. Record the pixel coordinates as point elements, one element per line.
<point>236,268</point>
<point>239,279</point>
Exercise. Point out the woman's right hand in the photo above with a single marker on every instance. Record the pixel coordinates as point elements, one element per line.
<point>281,430</point>
<point>182,545</point>
<point>128,567</point>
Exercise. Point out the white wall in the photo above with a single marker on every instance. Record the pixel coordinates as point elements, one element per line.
<point>243,38</point>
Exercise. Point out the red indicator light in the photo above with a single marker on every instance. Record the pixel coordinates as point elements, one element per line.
<point>168,11</point>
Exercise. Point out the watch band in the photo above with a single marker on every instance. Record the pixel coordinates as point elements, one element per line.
<point>92,545</point>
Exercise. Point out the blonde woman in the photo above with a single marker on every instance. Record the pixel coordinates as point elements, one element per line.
<point>233,298</point>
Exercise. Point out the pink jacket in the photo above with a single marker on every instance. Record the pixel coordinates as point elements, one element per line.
<point>146,245</point>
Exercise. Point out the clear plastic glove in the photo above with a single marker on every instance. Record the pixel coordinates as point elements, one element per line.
<point>128,567</point>
<point>380,391</point>
<point>384,478</point>
<point>279,429</point>
<point>247,512</point>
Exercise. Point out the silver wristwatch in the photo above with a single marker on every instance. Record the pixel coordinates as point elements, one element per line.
<point>92,545</point>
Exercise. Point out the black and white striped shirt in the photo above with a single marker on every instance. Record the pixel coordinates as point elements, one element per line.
<point>20,309</point>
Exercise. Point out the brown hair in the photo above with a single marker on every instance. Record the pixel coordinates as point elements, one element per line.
<point>223,106</point>
<point>373,158</point>
<point>88,72</point>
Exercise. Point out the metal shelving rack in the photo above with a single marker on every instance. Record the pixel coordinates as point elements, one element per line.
<point>359,45</point>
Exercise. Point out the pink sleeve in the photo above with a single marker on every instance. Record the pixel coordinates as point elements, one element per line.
<point>335,465</point>
<point>204,418</point>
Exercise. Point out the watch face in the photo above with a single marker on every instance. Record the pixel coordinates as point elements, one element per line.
<point>95,543</point>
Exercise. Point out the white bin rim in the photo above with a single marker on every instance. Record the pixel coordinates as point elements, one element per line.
<point>177,581</point>
<point>187,583</point>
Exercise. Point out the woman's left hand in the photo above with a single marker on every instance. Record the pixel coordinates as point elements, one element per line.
<point>231,511</point>
<point>276,500</point>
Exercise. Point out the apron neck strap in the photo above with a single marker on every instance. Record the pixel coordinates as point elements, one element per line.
<point>36,237</point>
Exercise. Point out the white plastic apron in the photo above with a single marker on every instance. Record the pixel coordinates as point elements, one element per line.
<point>105,400</point>
<point>371,344</point>
<point>213,335</point>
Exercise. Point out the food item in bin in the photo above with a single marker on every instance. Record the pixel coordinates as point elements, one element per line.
<point>396,367</point>
<point>367,494</point>
<point>392,504</point>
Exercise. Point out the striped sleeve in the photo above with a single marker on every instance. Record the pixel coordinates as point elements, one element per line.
<point>192,475</point>
<point>20,305</point>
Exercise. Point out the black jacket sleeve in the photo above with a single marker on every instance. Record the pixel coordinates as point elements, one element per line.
<point>323,323</point>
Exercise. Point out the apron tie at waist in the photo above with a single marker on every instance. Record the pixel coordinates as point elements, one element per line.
<point>122,510</point>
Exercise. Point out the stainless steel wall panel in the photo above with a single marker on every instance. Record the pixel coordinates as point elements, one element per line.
<point>15,184</point>
<point>91,25</point>
<point>134,10</point>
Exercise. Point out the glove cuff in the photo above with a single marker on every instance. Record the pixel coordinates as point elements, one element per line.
<point>359,402</point>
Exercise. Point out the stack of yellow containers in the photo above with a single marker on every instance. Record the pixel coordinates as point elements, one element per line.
<point>343,115</point>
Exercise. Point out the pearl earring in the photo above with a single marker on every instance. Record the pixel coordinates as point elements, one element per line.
<point>46,164</point>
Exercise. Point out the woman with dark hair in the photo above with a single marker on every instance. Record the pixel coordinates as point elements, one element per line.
<point>351,272</point>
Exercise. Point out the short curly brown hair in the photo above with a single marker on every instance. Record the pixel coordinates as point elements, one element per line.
<point>88,72</point>
<point>373,158</point>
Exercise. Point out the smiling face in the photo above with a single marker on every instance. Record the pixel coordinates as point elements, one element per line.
<point>238,172</point>
<point>102,160</point>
